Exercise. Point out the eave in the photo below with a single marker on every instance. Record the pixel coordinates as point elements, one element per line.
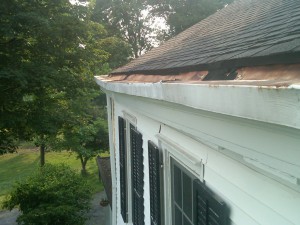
<point>266,94</point>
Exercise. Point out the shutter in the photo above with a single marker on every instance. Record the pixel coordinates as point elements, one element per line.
<point>123,170</point>
<point>137,176</point>
<point>154,178</point>
<point>209,209</point>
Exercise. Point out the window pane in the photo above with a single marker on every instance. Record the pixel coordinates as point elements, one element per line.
<point>177,186</point>
<point>177,216</point>
<point>187,195</point>
<point>186,221</point>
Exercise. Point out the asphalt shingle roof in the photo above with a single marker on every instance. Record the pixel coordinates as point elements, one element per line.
<point>245,29</point>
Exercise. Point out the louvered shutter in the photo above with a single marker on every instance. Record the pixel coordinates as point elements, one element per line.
<point>209,209</point>
<point>154,178</point>
<point>123,170</point>
<point>137,176</point>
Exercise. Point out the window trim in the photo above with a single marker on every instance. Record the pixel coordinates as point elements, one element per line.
<point>192,178</point>
<point>129,120</point>
<point>194,165</point>
<point>129,179</point>
<point>160,195</point>
<point>188,160</point>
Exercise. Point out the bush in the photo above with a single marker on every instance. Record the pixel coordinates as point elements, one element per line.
<point>53,195</point>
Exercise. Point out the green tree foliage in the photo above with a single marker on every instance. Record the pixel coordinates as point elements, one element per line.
<point>87,140</point>
<point>129,20</point>
<point>49,53</point>
<point>7,141</point>
<point>119,50</point>
<point>182,14</point>
<point>87,134</point>
<point>134,20</point>
<point>53,195</point>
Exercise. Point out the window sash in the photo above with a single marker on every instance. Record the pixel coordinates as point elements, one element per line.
<point>189,162</point>
<point>182,199</point>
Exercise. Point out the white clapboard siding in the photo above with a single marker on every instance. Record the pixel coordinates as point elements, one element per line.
<point>254,197</point>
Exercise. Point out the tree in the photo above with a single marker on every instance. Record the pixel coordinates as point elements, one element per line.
<point>129,20</point>
<point>87,140</point>
<point>49,53</point>
<point>86,133</point>
<point>7,142</point>
<point>136,20</point>
<point>53,195</point>
<point>182,14</point>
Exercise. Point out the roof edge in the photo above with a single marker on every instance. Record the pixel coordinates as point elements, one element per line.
<point>256,103</point>
<point>290,58</point>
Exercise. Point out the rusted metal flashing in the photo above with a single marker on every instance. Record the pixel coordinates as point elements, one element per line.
<point>145,78</point>
<point>276,75</point>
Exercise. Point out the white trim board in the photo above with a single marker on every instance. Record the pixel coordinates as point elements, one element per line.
<point>268,104</point>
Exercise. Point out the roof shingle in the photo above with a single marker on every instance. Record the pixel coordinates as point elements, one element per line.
<point>245,29</point>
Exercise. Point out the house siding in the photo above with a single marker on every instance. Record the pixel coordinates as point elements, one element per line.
<point>255,195</point>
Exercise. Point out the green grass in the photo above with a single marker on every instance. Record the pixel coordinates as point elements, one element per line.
<point>17,166</point>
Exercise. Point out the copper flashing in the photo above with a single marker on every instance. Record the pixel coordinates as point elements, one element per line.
<point>143,78</point>
<point>275,75</point>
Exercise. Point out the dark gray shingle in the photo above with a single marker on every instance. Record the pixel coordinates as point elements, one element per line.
<point>244,29</point>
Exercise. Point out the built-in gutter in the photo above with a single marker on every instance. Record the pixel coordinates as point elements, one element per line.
<point>272,104</point>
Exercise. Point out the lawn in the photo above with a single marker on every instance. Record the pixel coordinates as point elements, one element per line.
<point>17,166</point>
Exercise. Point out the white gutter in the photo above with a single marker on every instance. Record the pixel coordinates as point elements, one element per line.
<point>262,103</point>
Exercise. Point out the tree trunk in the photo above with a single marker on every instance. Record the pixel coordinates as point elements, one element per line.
<point>83,161</point>
<point>42,154</point>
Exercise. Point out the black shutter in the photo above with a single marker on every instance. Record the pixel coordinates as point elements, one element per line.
<point>209,209</point>
<point>154,177</point>
<point>137,176</point>
<point>123,170</point>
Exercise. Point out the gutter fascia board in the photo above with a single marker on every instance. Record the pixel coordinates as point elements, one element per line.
<point>269,104</point>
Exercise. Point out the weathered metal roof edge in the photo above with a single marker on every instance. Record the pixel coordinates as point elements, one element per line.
<point>244,101</point>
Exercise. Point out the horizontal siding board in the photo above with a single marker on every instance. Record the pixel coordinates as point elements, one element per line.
<point>225,131</point>
<point>248,202</point>
<point>266,199</point>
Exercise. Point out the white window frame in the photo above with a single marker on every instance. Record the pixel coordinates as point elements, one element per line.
<point>130,120</point>
<point>186,158</point>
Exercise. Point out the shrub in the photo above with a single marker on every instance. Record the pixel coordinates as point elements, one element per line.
<point>53,195</point>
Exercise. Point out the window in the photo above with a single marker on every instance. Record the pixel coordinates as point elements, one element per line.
<point>188,200</point>
<point>182,195</point>
<point>192,202</point>
<point>131,173</point>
